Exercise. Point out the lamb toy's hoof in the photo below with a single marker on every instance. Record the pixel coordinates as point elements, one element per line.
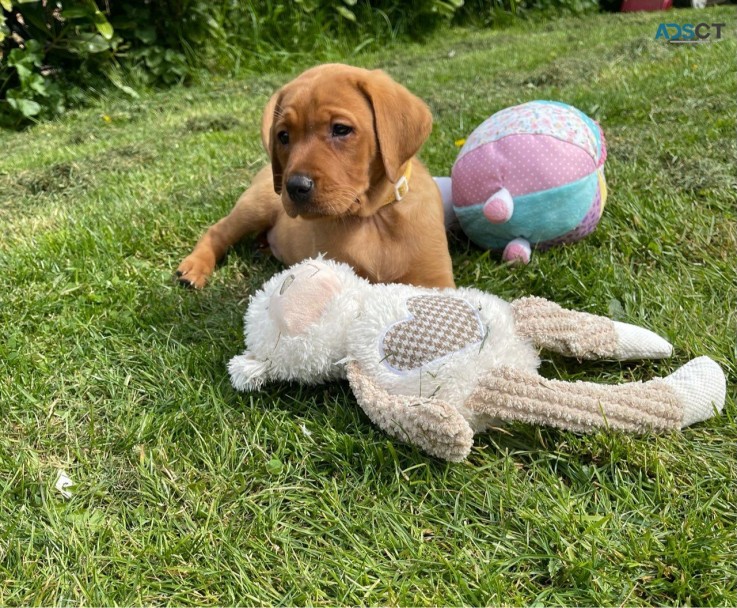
<point>701,387</point>
<point>517,251</point>
<point>499,208</point>
<point>635,342</point>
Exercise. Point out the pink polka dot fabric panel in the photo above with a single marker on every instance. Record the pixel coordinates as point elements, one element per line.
<point>522,164</point>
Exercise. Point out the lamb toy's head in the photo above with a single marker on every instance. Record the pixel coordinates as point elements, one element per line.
<point>296,324</point>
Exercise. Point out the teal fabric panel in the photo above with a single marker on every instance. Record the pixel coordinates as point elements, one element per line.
<point>537,217</point>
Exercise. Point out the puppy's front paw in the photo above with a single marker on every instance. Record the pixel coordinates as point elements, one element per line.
<point>193,272</point>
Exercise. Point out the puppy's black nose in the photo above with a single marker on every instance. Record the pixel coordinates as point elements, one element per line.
<point>300,188</point>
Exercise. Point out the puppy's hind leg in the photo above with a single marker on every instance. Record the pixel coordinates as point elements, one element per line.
<point>254,212</point>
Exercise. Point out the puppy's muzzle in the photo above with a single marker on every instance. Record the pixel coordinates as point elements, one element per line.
<point>300,189</point>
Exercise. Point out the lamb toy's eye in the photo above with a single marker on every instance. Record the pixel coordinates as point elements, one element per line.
<point>286,284</point>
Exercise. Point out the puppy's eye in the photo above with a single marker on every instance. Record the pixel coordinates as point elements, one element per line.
<point>283,137</point>
<point>341,130</point>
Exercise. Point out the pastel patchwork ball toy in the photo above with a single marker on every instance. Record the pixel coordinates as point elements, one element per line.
<point>529,176</point>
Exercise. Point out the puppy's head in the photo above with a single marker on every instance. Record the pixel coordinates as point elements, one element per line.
<point>337,135</point>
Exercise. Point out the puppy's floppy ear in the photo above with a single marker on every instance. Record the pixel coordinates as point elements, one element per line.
<point>402,120</point>
<point>268,138</point>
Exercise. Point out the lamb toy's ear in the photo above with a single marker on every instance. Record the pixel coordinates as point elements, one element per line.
<point>247,373</point>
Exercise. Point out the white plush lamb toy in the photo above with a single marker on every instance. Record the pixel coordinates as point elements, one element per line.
<point>432,367</point>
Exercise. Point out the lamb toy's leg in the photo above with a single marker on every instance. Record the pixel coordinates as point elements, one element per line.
<point>691,394</point>
<point>583,335</point>
<point>428,423</point>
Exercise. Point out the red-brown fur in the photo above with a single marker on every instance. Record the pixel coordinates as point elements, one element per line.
<point>348,217</point>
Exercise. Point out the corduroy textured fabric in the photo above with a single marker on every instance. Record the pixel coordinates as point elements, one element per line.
<point>431,425</point>
<point>512,394</point>
<point>571,333</point>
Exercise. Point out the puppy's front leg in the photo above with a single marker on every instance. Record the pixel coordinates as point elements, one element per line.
<point>433,267</point>
<point>254,212</point>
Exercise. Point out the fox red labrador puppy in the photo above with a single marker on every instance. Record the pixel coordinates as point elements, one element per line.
<point>343,181</point>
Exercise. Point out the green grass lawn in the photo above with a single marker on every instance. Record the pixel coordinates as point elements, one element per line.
<point>190,493</point>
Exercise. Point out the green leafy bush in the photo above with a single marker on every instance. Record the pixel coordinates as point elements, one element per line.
<point>41,45</point>
<point>166,39</point>
<point>51,51</point>
<point>266,34</point>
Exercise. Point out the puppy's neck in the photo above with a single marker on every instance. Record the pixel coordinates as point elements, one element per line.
<point>386,192</point>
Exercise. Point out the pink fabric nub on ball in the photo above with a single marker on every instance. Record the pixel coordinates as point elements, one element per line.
<point>517,251</point>
<point>499,208</point>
